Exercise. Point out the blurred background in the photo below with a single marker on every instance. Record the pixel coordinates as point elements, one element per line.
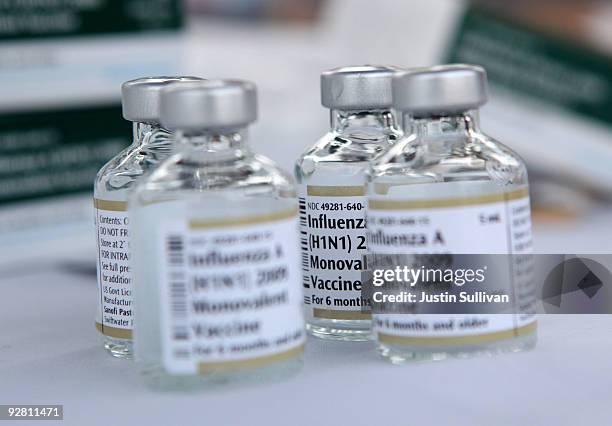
<point>62,63</point>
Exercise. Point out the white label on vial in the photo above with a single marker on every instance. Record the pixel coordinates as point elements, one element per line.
<point>333,241</point>
<point>489,224</point>
<point>114,316</point>
<point>230,293</point>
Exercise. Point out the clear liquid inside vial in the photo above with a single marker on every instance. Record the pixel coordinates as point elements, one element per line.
<point>215,178</point>
<point>114,182</point>
<point>341,159</point>
<point>448,157</point>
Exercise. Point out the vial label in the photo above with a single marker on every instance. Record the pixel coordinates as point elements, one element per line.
<point>494,223</point>
<point>230,294</point>
<point>114,318</point>
<point>333,241</point>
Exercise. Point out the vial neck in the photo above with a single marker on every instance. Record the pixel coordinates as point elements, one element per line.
<point>149,134</point>
<point>457,127</point>
<point>345,121</point>
<point>213,146</point>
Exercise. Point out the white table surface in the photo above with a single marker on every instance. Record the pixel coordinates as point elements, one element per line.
<point>49,354</point>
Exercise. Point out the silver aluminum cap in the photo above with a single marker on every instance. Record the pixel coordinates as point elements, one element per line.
<point>206,105</point>
<point>140,97</point>
<point>440,90</point>
<point>362,87</point>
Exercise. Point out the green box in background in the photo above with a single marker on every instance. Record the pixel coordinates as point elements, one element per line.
<point>64,18</point>
<point>551,97</point>
<point>50,153</point>
<point>61,67</point>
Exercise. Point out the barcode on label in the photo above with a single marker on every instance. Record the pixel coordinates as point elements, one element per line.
<point>302,206</point>
<point>177,286</point>
<point>304,241</point>
<point>175,250</point>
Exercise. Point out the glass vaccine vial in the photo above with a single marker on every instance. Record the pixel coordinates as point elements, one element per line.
<point>447,178</point>
<point>215,235</point>
<point>151,143</point>
<point>331,183</point>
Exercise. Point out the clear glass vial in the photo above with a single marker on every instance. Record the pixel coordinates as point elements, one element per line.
<point>215,238</point>
<point>151,143</point>
<point>446,176</point>
<point>331,181</point>
<point>331,184</point>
